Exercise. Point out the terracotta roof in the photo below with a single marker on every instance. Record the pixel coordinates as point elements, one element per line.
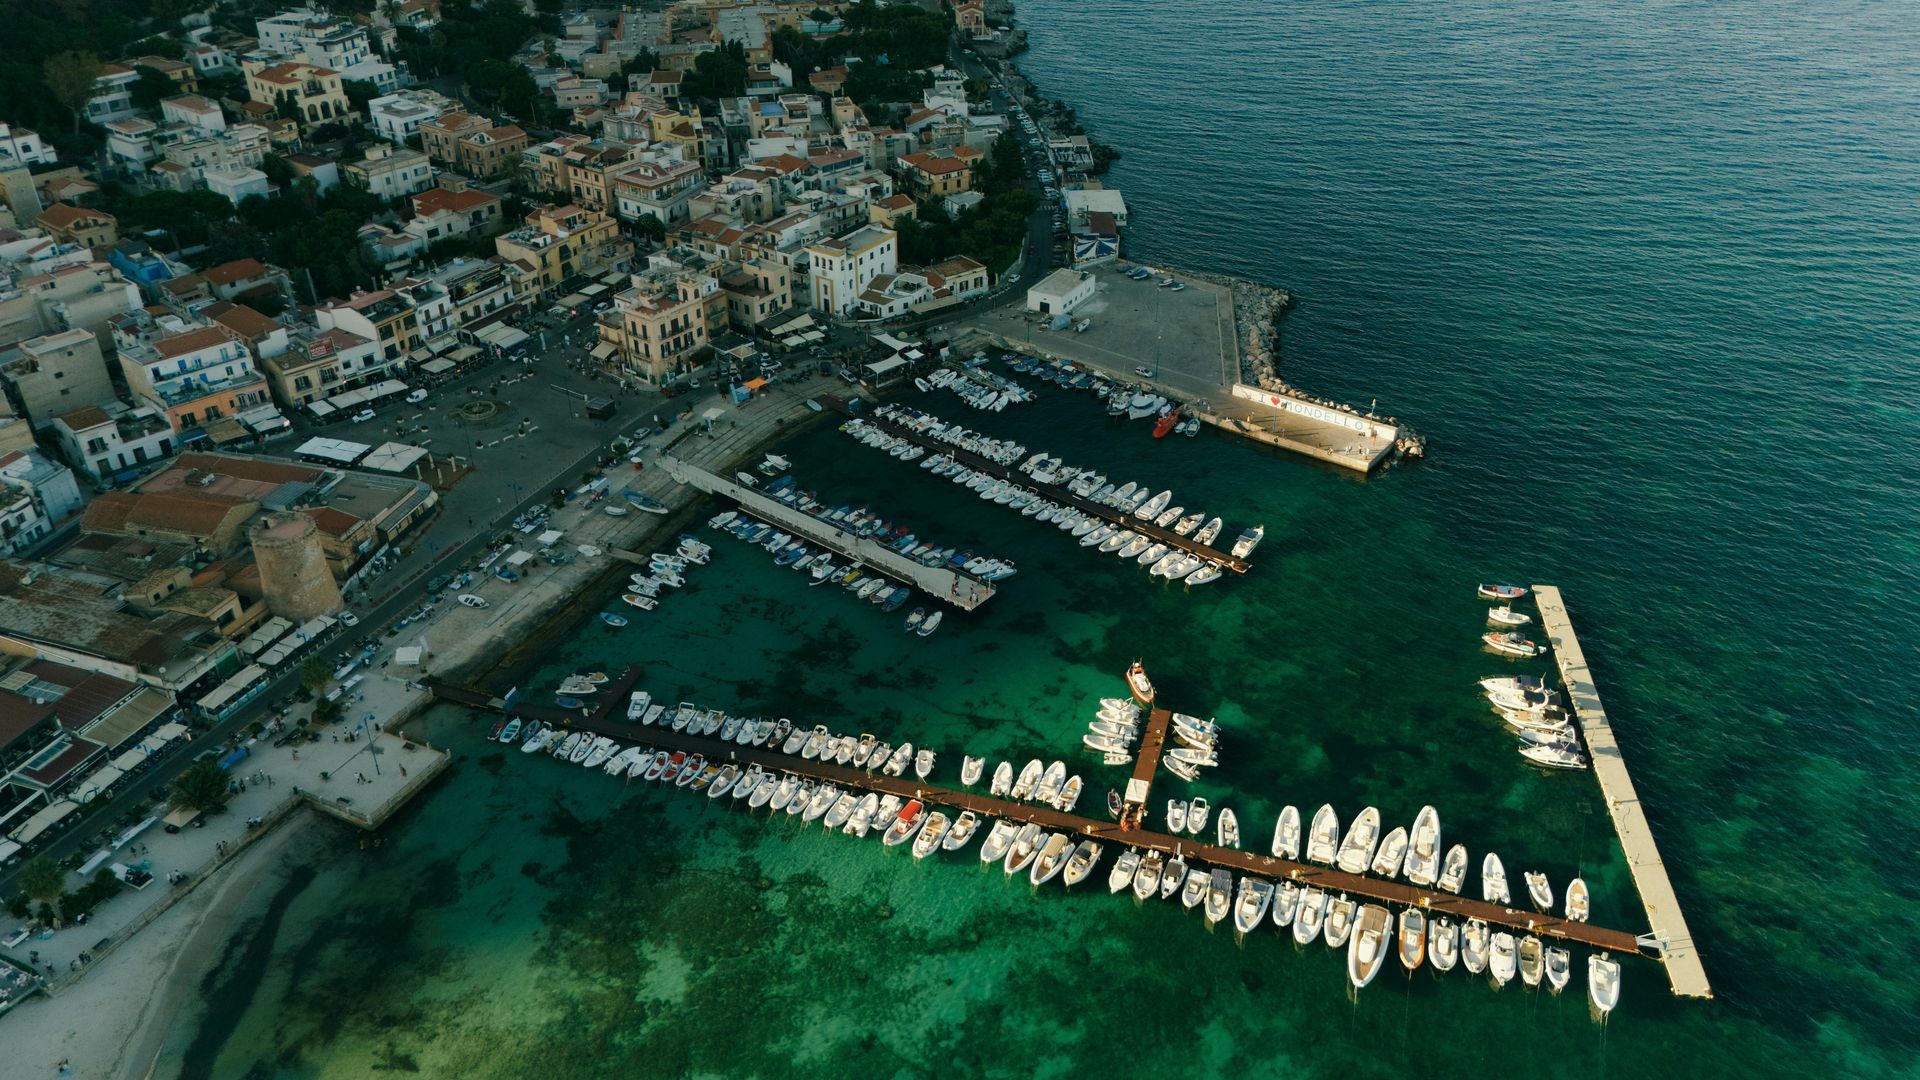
<point>331,521</point>
<point>183,285</point>
<point>180,344</point>
<point>85,416</point>
<point>895,202</point>
<point>781,163</point>
<point>934,164</point>
<point>666,78</point>
<point>238,270</point>
<point>196,514</point>
<point>249,324</point>
<point>434,200</point>
<point>62,216</point>
<point>291,73</point>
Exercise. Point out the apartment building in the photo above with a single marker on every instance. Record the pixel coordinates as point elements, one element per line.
<point>194,373</point>
<point>24,146</point>
<point>840,269</point>
<point>562,242</point>
<point>36,495</point>
<point>319,363</point>
<point>111,442</point>
<point>307,94</point>
<point>663,323</point>
<point>397,117</point>
<point>78,225</point>
<point>938,173</point>
<point>384,318</point>
<point>473,145</point>
<point>662,189</point>
<point>391,172</point>
<point>54,374</point>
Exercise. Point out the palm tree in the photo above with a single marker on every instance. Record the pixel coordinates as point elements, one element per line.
<point>202,786</point>
<point>42,879</point>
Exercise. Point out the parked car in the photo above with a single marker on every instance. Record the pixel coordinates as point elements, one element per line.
<point>348,618</point>
<point>362,416</point>
<point>417,397</point>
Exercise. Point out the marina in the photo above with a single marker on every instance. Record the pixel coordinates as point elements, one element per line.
<point>1669,925</point>
<point>943,583</point>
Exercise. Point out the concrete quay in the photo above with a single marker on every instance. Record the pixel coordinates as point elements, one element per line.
<point>962,590</point>
<point>1669,926</point>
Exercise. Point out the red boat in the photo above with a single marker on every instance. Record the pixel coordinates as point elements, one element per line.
<point>1165,424</point>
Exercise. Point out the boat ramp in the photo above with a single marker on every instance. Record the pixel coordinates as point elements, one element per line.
<point>1669,927</point>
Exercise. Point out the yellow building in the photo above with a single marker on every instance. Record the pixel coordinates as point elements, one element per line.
<point>306,94</point>
<point>562,242</point>
<point>939,173</point>
<point>663,323</point>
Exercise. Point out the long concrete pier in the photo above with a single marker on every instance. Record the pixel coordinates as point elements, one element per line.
<point>1116,516</point>
<point>1669,926</point>
<point>962,590</point>
<point>1333,881</point>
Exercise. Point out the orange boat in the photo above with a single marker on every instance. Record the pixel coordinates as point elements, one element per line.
<point>1165,424</point>
<point>1137,681</point>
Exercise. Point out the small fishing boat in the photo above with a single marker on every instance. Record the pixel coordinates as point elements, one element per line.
<point>1603,983</point>
<point>1146,878</point>
<point>1193,891</point>
<point>1453,871</point>
<point>1048,787</point>
<point>912,816</point>
<point>1493,881</point>
<point>915,618</point>
<point>1286,904</point>
<point>1504,615</point>
<point>1002,779</point>
<point>930,624</point>
<point>472,601</point>
<point>1578,902</point>
<point>1392,852</point>
<point>1138,682</point>
<point>1197,812</point>
<point>1025,846</point>
<point>1338,924</point>
<point>1443,944</point>
<point>1356,851</point>
<point>1559,968</point>
<point>923,763</point>
<point>1228,829</point>
<point>1174,874</point>
<point>1029,776</point>
<point>1069,796</point>
<point>1474,946</point>
<point>508,730</point>
<point>1313,909</point>
<point>1508,643</point>
<point>1124,869</point>
<point>724,780</point>
<point>644,603</point>
<point>961,831</point>
<point>931,834</point>
<point>1219,896</point>
<point>1413,938</point>
<point>1423,848</point>
<point>1532,960</point>
<point>1249,540</point>
<point>999,839</point>
<point>1367,949</point>
<point>615,621</point>
<point>970,768</point>
<point>1539,889</point>
<point>1502,592</point>
<point>1081,863</point>
<point>1502,962</point>
<point>1286,834</point>
<point>1324,838</point>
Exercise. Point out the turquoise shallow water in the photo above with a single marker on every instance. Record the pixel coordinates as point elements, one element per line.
<point>1644,275</point>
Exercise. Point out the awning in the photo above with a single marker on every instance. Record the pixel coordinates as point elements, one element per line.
<point>754,384</point>
<point>438,367</point>
<point>512,338</point>
<point>520,558</point>
<point>47,818</point>
<point>96,785</point>
<point>129,759</point>
<point>793,342</point>
<point>885,366</point>
<point>7,850</point>
<point>603,350</point>
<point>171,731</point>
<point>393,457</point>
<point>713,414</point>
<point>464,353</point>
<point>550,537</point>
<point>407,656</point>
<point>321,409</point>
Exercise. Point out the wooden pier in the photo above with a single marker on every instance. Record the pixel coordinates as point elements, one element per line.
<point>1669,926</point>
<point>943,583</point>
<point>1145,764</point>
<point>1012,475</point>
<point>601,722</point>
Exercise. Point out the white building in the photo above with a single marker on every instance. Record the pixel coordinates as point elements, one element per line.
<point>192,110</point>
<point>236,184</point>
<point>1098,201</point>
<point>310,37</point>
<point>105,442</point>
<point>36,494</point>
<point>112,95</point>
<point>392,171</point>
<point>841,269</point>
<point>394,117</point>
<point>24,146</point>
<point>1060,292</point>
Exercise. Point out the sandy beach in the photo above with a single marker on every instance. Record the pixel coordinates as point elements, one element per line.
<point>114,1022</point>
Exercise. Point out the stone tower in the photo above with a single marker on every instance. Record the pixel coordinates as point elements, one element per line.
<point>293,568</point>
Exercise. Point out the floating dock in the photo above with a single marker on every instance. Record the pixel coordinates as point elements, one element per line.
<point>1669,926</point>
<point>962,590</point>
<point>1061,495</point>
<point>600,722</point>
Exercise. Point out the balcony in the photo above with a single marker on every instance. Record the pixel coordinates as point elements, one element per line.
<point>176,394</point>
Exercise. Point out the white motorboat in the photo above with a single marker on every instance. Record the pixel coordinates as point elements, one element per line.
<point>1493,881</point>
<point>1286,834</point>
<point>908,822</point>
<point>1173,875</point>
<point>603,749</point>
<point>1026,845</point>
<point>1193,892</point>
<point>1539,889</point>
<point>1219,896</point>
<point>1086,854</point>
<point>1286,904</point>
<point>1324,838</point>
<point>1443,944</point>
<point>1532,960</point>
<point>1149,510</point>
<point>930,835</point>
<point>999,839</point>
<point>784,795</point>
<point>1029,776</point>
<point>1508,643</point>
<point>1338,925</point>
<point>1474,946</point>
<point>1069,796</point>
<point>1176,816</point>
<point>886,812</point>
<point>1002,779</point>
<point>1367,948</point>
<point>1197,812</point>
<point>1051,860</point>
<point>1209,532</point>
<point>1124,869</point>
<point>1559,968</point>
<point>1555,756</point>
<point>1146,878</point>
<point>842,809</point>
<point>1508,593</point>
<point>1356,851</point>
<point>970,768</point>
<point>1228,829</point>
<point>961,831</point>
<point>637,704</point>
<point>1139,684</point>
<point>1313,909</point>
<point>1249,540</point>
<point>761,796</point>
<point>1603,983</point>
<point>1502,962</point>
<point>1392,852</point>
<point>824,796</point>
<point>1413,938</point>
<point>724,779</point>
<point>1513,684</point>
<point>1197,758</point>
<point>1048,787</point>
<point>1453,871</point>
<point>1578,902</point>
<point>1504,615</point>
<point>897,763</point>
<point>1423,848</point>
<point>1527,701</point>
<point>923,764</point>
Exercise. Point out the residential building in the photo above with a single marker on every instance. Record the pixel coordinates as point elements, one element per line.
<point>842,268</point>
<point>938,173</point>
<point>384,318</point>
<point>66,616</point>
<point>143,266</point>
<point>758,290</point>
<point>112,95</point>
<point>329,42</point>
<point>239,150</point>
<point>397,117</point>
<point>478,290</point>
<point>194,373</point>
<point>473,145</point>
<point>944,284</point>
<point>440,213</point>
<point>1082,204</point>
<point>321,363</point>
<point>891,209</point>
<point>56,296</point>
<point>305,93</point>
<point>558,243</point>
<point>661,189</point>
<point>179,72</point>
<point>243,278</point>
<point>324,173</point>
<point>236,184</point>
<point>23,146</point>
<point>54,374</point>
<point>391,172</point>
<point>110,443</point>
<point>78,225</point>
<point>37,495</point>
<point>192,110</point>
<point>663,323</point>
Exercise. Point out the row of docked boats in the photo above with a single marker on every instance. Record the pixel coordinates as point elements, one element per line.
<point>981,389</point>
<point>1114,729</point>
<point>1533,712</point>
<point>1195,746</point>
<point>1060,373</point>
<point>863,523</point>
<point>1505,638</point>
<point>821,569</point>
<point>1045,785</point>
<point>665,570</point>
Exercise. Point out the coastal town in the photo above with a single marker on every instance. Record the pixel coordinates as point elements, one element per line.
<point>341,346</point>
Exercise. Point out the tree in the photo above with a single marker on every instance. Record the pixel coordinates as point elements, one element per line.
<point>150,87</point>
<point>359,92</point>
<point>201,787</point>
<point>650,227</point>
<point>69,77</point>
<point>315,673</point>
<point>42,879</point>
<point>719,73</point>
<point>326,712</point>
